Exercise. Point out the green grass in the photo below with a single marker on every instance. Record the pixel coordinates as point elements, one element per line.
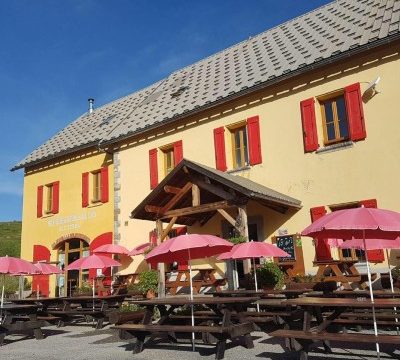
<point>10,238</point>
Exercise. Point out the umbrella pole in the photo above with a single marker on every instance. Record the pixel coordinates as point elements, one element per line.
<point>392,288</point>
<point>372,296</point>
<point>93,291</point>
<point>255,282</point>
<point>191,298</point>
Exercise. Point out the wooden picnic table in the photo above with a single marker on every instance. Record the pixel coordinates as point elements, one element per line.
<point>43,303</point>
<point>88,307</point>
<point>286,293</point>
<point>365,293</point>
<point>343,271</point>
<point>202,278</point>
<point>326,312</point>
<point>18,319</point>
<point>216,325</point>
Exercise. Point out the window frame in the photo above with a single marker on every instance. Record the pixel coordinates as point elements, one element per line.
<point>96,186</point>
<point>168,150</point>
<point>336,122</point>
<point>244,148</point>
<point>49,189</point>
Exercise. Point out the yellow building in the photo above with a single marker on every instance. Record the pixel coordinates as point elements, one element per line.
<point>290,124</point>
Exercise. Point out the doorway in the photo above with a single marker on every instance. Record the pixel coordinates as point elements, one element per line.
<point>68,252</point>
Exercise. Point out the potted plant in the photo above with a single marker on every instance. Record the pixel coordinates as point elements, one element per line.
<point>84,290</point>
<point>148,283</point>
<point>133,289</point>
<point>303,281</point>
<point>127,313</point>
<point>270,276</point>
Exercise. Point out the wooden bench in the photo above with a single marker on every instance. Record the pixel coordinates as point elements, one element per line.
<point>67,316</point>
<point>220,333</point>
<point>118,317</point>
<point>306,338</point>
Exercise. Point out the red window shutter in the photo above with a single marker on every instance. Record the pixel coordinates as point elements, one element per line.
<point>310,136</point>
<point>39,201</point>
<point>104,184</point>
<point>322,249</point>
<point>253,133</point>
<point>153,168</point>
<point>178,152</point>
<point>373,255</point>
<point>56,197</point>
<point>355,113</point>
<point>370,203</point>
<point>41,282</point>
<point>219,146</point>
<point>85,189</point>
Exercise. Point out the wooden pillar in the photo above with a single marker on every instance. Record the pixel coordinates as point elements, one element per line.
<point>244,231</point>
<point>160,266</point>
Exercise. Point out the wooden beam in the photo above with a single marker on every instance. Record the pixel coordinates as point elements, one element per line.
<point>195,195</point>
<point>177,197</point>
<point>242,214</point>
<point>172,189</point>
<point>228,218</point>
<point>214,189</point>
<point>153,209</point>
<point>168,228</point>
<point>197,209</point>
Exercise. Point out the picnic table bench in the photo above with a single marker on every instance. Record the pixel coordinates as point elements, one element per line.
<point>203,278</point>
<point>19,319</point>
<point>313,309</point>
<point>222,325</point>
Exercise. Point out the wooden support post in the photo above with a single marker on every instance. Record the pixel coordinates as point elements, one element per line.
<point>161,266</point>
<point>168,228</point>
<point>195,195</point>
<point>244,231</point>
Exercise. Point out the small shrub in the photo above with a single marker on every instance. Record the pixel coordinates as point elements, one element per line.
<point>396,273</point>
<point>148,280</point>
<point>307,278</point>
<point>85,288</point>
<point>126,307</point>
<point>269,274</point>
<point>237,239</point>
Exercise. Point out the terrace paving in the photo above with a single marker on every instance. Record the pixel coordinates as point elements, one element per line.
<point>81,342</point>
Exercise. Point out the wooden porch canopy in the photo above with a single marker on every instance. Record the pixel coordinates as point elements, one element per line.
<point>193,192</point>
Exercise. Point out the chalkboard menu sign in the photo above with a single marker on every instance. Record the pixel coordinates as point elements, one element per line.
<point>287,243</point>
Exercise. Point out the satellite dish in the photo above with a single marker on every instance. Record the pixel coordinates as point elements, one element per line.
<point>372,85</point>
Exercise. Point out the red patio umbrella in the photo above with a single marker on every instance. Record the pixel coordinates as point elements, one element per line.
<point>140,249</point>
<point>93,262</point>
<point>111,249</point>
<point>46,269</point>
<point>253,250</point>
<point>15,266</point>
<point>185,248</point>
<point>360,223</point>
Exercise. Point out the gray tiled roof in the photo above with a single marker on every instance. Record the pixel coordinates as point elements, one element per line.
<point>309,40</point>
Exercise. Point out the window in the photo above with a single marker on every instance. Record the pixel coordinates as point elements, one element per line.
<point>334,120</point>
<point>172,155</point>
<point>96,181</point>
<point>342,118</point>
<point>95,186</point>
<point>245,141</point>
<point>240,153</point>
<point>49,199</point>
<point>169,164</point>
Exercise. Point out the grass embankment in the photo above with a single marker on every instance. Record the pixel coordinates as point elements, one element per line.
<point>10,244</point>
<point>10,238</point>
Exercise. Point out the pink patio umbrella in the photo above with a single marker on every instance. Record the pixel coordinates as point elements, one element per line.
<point>93,262</point>
<point>111,249</point>
<point>360,223</point>
<point>253,250</point>
<point>185,248</point>
<point>140,249</point>
<point>46,269</point>
<point>15,266</point>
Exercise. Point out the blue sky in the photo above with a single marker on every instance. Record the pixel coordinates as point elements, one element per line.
<point>54,55</point>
